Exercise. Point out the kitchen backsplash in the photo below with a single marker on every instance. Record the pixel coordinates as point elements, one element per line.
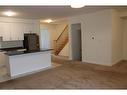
<point>10,44</point>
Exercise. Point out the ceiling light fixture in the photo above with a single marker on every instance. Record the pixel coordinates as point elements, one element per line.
<point>77,3</point>
<point>9,13</point>
<point>48,20</point>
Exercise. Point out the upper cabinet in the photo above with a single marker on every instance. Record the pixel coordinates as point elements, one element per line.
<point>28,28</point>
<point>1,29</point>
<point>14,30</point>
<point>11,31</point>
<point>6,31</point>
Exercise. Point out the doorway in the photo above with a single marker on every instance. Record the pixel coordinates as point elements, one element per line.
<point>44,39</point>
<point>76,41</point>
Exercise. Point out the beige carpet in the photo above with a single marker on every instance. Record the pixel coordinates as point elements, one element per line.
<point>73,75</point>
<point>55,64</point>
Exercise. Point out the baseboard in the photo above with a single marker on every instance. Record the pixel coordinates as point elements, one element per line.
<point>29,73</point>
<point>124,60</point>
<point>104,64</point>
<point>119,61</point>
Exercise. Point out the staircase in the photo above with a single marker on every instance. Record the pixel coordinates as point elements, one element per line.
<point>61,41</point>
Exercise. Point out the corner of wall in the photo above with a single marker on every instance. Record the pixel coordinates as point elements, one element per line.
<point>117,42</point>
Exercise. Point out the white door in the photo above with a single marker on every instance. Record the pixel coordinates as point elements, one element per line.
<point>44,39</point>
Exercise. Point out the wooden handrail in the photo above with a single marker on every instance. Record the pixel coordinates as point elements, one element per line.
<point>62,33</point>
<point>57,45</point>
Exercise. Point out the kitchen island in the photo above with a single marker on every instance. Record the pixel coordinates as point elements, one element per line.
<point>26,62</point>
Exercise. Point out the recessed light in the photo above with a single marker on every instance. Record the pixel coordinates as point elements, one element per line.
<point>77,6</point>
<point>9,13</point>
<point>77,3</point>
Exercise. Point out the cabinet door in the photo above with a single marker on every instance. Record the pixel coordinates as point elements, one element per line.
<point>21,32</point>
<point>36,28</point>
<point>6,31</point>
<point>13,33</point>
<point>17,31</point>
<point>28,28</point>
<point>1,29</point>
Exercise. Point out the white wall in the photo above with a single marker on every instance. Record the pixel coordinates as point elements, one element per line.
<point>99,26</point>
<point>65,50</point>
<point>125,39</point>
<point>117,37</point>
<point>109,45</point>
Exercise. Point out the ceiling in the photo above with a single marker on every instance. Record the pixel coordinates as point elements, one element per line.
<point>45,12</point>
<point>53,12</point>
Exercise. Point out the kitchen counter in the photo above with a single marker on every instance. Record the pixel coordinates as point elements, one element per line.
<point>23,63</point>
<point>15,52</point>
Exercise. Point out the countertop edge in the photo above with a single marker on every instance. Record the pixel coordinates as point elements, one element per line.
<point>28,52</point>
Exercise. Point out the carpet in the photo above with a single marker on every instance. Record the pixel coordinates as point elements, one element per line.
<point>74,75</point>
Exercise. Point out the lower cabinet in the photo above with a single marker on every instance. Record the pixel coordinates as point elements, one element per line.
<point>24,64</point>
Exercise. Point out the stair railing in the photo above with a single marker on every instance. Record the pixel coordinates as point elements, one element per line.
<point>62,38</point>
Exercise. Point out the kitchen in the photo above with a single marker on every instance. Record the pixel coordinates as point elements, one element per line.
<point>20,50</point>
